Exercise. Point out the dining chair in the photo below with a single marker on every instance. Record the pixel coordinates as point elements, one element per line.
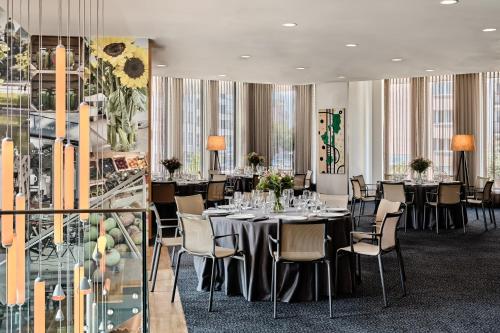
<point>199,240</point>
<point>377,244</point>
<point>365,188</point>
<point>448,196</point>
<point>215,192</point>
<point>299,182</point>
<point>481,199</point>
<point>160,241</point>
<point>299,242</point>
<point>190,204</point>
<point>335,200</point>
<point>396,192</point>
<point>358,196</point>
<point>219,177</point>
<point>478,186</point>
<point>307,183</point>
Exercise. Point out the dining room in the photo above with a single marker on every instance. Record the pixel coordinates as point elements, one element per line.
<point>349,189</point>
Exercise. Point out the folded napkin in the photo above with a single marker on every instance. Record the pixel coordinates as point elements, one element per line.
<point>259,218</point>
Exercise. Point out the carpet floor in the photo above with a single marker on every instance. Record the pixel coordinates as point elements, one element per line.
<point>453,284</point>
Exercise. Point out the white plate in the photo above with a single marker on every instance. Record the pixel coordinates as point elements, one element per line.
<point>226,206</point>
<point>291,217</point>
<point>333,209</point>
<point>241,216</point>
<point>216,212</point>
<point>331,214</point>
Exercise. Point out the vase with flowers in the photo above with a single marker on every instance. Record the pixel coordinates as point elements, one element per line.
<point>255,159</point>
<point>420,165</point>
<point>171,165</point>
<point>276,182</point>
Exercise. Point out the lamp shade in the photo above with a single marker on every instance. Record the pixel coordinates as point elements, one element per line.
<point>463,142</point>
<point>216,142</point>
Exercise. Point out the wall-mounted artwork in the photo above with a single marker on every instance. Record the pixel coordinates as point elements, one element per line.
<point>331,141</point>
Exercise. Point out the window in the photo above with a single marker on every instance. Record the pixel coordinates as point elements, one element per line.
<point>492,105</point>
<point>227,125</point>
<point>440,107</point>
<point>283,127</point>
<point>192,126</point>
<point>398,126</point>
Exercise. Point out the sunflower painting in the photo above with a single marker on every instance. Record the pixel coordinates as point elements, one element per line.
<point>123,69</point>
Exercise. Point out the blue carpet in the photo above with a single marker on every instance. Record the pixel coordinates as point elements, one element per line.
<point>453,283</point>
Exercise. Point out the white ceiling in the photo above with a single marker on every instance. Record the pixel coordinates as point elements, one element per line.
<point>202,39</point>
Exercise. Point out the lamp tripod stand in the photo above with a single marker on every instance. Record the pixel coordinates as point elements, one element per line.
<point>462,166</point>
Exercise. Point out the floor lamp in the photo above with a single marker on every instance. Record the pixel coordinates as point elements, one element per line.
<point>216,143</point>
<point>463,143</point>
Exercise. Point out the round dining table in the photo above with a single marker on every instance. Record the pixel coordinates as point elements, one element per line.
<point>296,282</point>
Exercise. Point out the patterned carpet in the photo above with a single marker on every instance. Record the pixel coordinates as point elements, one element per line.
<point>453,283</point>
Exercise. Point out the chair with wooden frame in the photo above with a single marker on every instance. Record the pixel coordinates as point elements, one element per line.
<point>359,197</point>
<point>396,192</point>
<point>448,196</point>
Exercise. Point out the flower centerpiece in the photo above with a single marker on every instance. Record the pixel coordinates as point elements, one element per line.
<point>171,165</point>
<point>420,165</point>
<point>276,182</point>
<point>255,159</point>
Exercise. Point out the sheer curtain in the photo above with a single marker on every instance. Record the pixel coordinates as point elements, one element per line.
<point>260,111</point>
<point>302,134</point>
<point>398,124</point>
<point>491,89</point>
<point>227,123</point>
<point>283,127</point>
<point>158,124</point>
<point>192,126</point>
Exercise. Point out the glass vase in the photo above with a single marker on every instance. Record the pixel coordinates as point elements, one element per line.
<point>278,205</point>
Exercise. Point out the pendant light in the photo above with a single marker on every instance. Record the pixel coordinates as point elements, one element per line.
<point>39,306</point>
<point>19,244</point>
<point>57,193</point>
<point>84,160</point>
<point>59,315</point>
<point>58,293</point>
<point>7,191</point>
<point>60,91</point>
<point>69,176</point>
<point>78,299</point>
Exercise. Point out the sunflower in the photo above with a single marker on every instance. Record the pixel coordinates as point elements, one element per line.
<point>112,49</point>
<point>133,70</point>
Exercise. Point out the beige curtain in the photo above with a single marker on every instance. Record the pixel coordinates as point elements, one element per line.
<point>210,109</point>
<point>242,123</point>
<point>467,102</point>
<point>303,114</point>
<point>260,98</point>
<point>419,127</point>
<point>174,118</point>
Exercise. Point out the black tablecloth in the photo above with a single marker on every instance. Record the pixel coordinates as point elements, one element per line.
<point>429,222</point>
<point>296,282</point>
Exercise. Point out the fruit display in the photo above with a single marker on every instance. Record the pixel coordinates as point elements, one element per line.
<point>120,163</point>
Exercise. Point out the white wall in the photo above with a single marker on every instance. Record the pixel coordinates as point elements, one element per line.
<point>364,131</point>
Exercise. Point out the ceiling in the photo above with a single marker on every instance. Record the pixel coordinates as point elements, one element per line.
<point>203,39</point>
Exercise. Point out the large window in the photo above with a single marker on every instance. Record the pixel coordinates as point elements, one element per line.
<point>283,127</point>
<point>492,87</point>
<point>192,126</point>
<point>440,108</point>
<point>227,125</point>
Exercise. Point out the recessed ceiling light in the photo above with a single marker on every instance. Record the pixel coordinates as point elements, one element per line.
<point>222,75</point>
<point>161,65</point>
<point>489,29</point>
<point>351,45</point>
<point>429,70</point>
<point>300,68</point>
<point>340,77</point>
<point>289,25</point>
<point>397,59</point>
<point>245,56</point>
<point>448,2</point>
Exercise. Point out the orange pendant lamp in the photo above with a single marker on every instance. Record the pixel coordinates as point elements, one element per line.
<point>19,245</point>
<point>84,160</point>
<point>39,306</point>
<point>69,176</point>
<point>7,191</point>
<point>57,191</point>
<point>78,305</point>
<point>60,93</point>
